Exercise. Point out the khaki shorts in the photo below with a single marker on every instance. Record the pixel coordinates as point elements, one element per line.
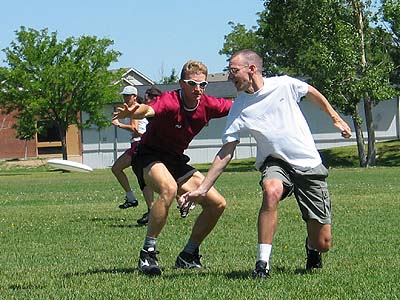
<point>308,186</point>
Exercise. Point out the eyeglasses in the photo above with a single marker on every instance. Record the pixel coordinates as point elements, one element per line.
<point>192,82</point>
<point>234,71</point>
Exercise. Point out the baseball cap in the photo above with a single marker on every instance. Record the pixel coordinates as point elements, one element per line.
<point>129,90</point>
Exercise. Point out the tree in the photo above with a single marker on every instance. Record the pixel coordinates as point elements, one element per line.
<point>241,38</point>
<point>173,78</point>
<point>335,48</point>
<point>390,15</point>
<point>26,129</point>
<point>51,80</point>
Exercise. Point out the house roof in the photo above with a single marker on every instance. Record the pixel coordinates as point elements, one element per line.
<point>217,77</point>
<point>131,76</point>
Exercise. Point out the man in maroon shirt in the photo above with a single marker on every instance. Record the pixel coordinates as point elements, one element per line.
<point>176,117</point>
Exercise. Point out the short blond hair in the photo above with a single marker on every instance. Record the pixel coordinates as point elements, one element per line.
<point>193,67</point>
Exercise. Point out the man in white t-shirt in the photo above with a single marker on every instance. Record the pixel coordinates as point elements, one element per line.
<point>286,154</point>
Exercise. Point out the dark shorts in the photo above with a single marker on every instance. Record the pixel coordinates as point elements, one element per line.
<point>308,186</point>
<point>176,164</point>
<point>132,149</point>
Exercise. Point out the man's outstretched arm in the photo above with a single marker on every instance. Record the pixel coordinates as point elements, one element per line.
<point>219,164</point>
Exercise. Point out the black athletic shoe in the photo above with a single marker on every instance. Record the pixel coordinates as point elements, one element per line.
<point>261,270</point>
<point>144,219</point>
<point>188,261</point>
<point>148,263</point>
<point>186,208</point>
<point>128,203</point>
<point>314,259</point>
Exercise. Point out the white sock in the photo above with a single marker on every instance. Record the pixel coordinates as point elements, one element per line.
<point>264,253</point>
<point>309,246</point>
<point>130,196</point>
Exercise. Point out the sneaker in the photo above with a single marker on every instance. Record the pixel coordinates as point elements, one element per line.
<point>186,208</point>
<point>144,219</point>
<point>188,261</point>
<point>128,203</point>
<point>148,263</point>
<point>314,259</point>
<point>261,270</point>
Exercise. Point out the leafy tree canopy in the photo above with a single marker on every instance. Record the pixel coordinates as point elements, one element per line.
<point>171,79</point>
<point>57,80</point>
<point>334,46</point>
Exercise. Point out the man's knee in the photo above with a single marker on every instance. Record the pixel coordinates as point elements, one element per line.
<point>324,244</point>
<point>168,193</point>
<point>272,193</point>
<point>215,204</point>
<point>115,169</point>
<point>221,204</point>
<point>319,235</point>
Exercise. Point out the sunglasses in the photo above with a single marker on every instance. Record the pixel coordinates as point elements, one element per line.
<point>192,82</point>
<point>234,71</point>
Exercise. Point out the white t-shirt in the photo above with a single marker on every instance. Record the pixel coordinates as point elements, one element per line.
<point>141,129</point>
<point>273,117</point>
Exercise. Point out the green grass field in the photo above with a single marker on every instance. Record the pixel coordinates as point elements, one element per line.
<point>62,236</point>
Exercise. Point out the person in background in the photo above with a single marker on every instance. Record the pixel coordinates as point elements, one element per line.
<point>160,163</point>
<point>287,157</point>
<point>148,194</point>
<point>129,95</point>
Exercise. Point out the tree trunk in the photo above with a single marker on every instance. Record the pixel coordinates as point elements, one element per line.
<point>371,153</point>
<point>63,135</point>
<point>360,143</point>
<point>369,160</point>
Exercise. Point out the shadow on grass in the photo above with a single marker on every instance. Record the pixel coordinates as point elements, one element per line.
<point>331,158</point>
<point>14,174</point>
<point>23,172</point>
<point>177,273</point>
<point>102,271</point>
<point>242,165</point>
<point>115,222</point>
<point>307,272</point>
<point>275,270</point>
<point>126,225</point>
<point>28,286</point>
<point>387,155</point>
<point>234,275</point>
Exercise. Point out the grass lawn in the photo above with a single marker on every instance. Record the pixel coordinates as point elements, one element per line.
<point>62,236</point>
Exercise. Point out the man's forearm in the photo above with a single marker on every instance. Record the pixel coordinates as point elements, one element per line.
<point>219,164</point>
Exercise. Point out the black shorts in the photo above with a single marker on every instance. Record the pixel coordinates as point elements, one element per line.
<point>175,163</point>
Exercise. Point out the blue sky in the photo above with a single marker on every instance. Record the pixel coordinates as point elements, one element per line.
<point>153,36</point>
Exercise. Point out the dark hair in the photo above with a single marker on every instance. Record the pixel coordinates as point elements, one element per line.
<point>250,57</point>
<point>139,99</point>
<point>153,92</point>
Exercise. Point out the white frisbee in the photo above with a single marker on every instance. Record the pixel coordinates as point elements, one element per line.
<point>69,165</point>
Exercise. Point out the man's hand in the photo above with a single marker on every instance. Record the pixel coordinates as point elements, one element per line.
<point>125,111</point>
<point>189,197</point>
<point>115,121</point>
<point>343,127</point>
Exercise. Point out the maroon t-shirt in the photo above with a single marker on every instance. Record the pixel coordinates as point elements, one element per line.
<point>173,128</point>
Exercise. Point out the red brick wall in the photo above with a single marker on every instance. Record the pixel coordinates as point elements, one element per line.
<point>10,146</point>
